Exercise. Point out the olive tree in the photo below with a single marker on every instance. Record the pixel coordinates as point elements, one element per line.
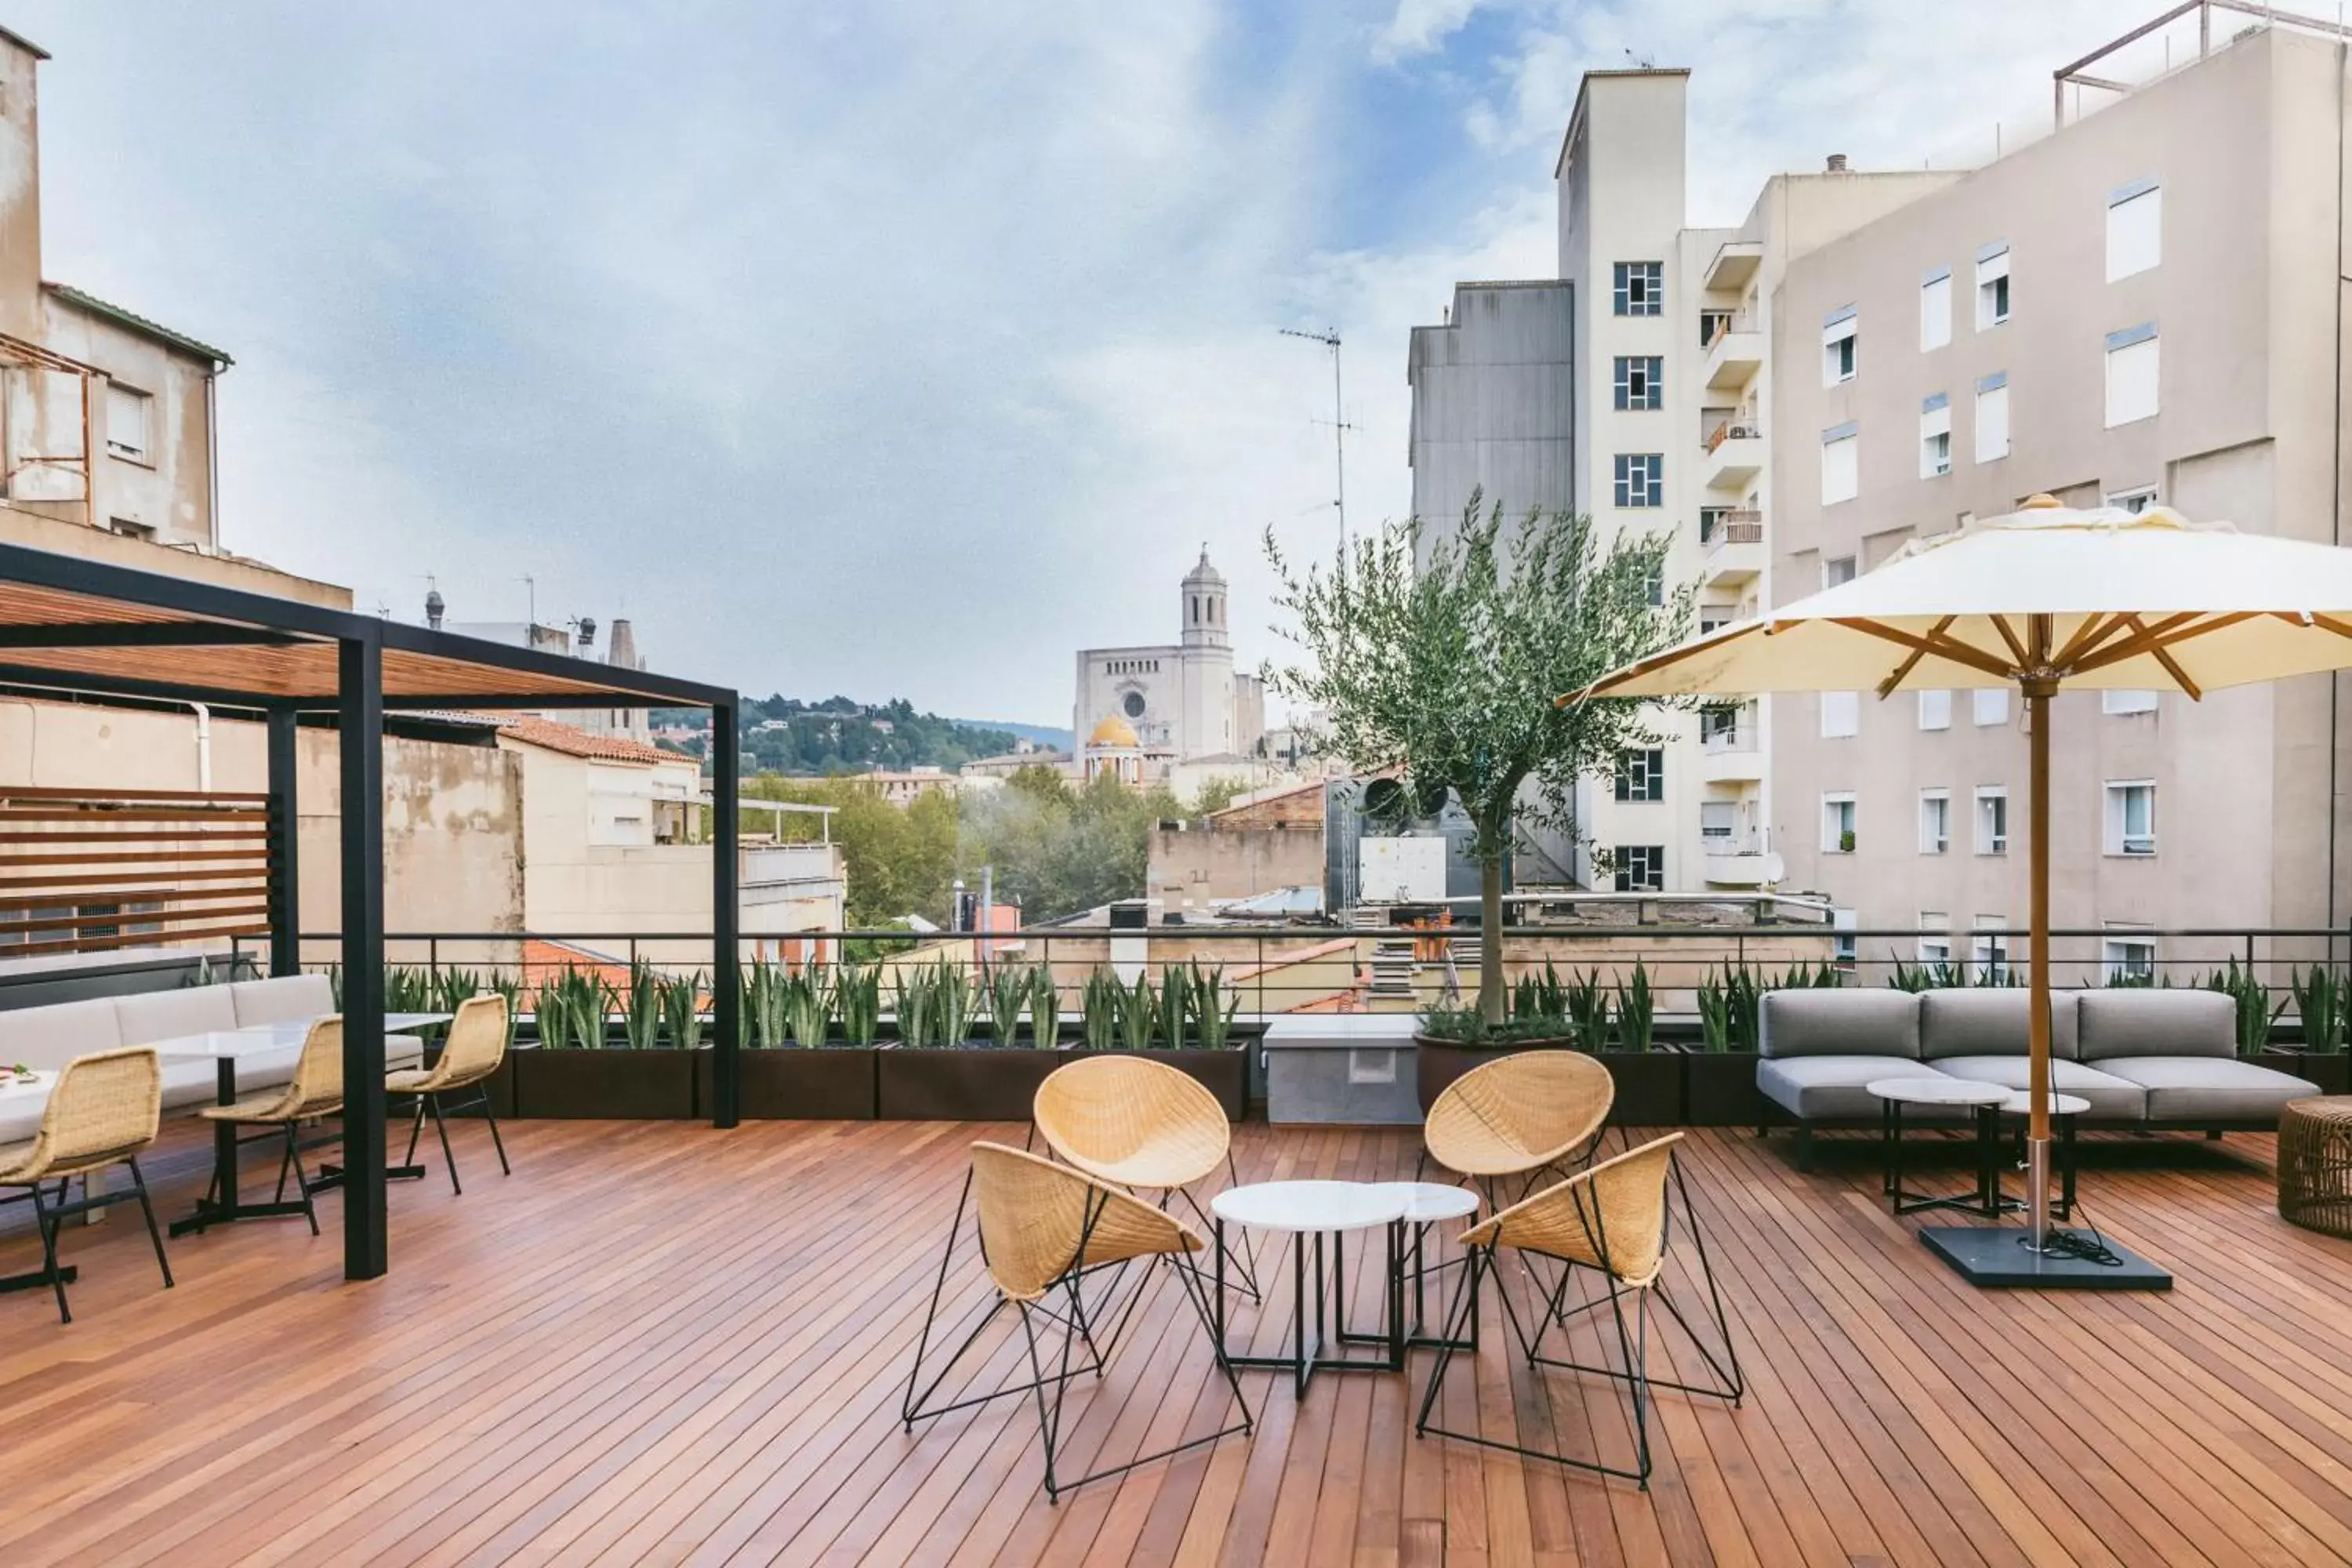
<point>1447,668</point>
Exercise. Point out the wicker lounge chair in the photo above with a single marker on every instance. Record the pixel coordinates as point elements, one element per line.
<point>1518,1117</point>
<point>1614,1218</point>
<point>475,1046</point>
<point>102,1112</point>
<point>315,1091</point>
<point>1043,1228</point>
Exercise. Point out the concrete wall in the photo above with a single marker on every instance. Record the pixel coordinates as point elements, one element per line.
<point>1491,404</point>
<point>2244,145</point>
<point>20,191</point>
<point>167,489</point>
<point>1191,868</point>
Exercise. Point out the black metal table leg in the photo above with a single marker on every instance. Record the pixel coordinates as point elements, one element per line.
<point>226,1141</point>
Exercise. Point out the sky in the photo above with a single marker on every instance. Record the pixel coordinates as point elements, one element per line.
<point>892,350</point>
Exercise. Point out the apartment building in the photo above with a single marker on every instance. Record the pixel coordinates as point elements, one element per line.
<point>2144,306</point>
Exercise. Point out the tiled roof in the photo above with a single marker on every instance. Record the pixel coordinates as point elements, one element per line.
<point>137,323</point>
<point>548,735</point>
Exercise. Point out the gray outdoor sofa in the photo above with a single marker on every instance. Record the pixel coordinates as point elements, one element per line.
<point>2146,1060</point>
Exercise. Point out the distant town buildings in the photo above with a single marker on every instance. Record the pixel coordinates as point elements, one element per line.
<point>1182,699</point>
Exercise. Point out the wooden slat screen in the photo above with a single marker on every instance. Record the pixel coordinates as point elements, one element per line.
<point>88,870</point>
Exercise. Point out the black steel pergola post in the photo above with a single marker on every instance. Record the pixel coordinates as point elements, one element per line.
<point>360,668</point>
<point>726,919</point>
<point>285,849</point>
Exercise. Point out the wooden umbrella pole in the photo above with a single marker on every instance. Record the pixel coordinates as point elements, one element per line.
<point>2037,1169</point>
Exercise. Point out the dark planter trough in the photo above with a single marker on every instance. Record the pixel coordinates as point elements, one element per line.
<point>1438,1062</point>
<point>603,1085</point>
<point>1719,1088</point>
<point>2327,1070</point>
<point>968,1083</point>
<point>1649,1088</point>
<point>832,1083</point>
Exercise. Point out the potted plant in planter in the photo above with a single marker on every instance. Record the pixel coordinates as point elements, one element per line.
<point>938,1072</point>
<point>798,1068</point>
<point>1450,1041</point>
<point>1457,663</point>
<point>577,1074</point>
<point>1649,1083</point>
<point>2323,1011</point>
<point>1194,1034</point>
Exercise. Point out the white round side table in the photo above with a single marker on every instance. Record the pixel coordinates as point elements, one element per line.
<point>1314,1214</point>
<point>1428,1204</point>
<point>1931,1089</point>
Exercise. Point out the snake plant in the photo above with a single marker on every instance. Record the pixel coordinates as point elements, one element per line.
<point>857,993</point>
<point>1099,1010</point>
<point>641,1008</point>
<point>681,1010</point>
<point>1214,1005</point>
<point>1009,985</point>
<point>808,1007</point>
<point>1044,1007</point>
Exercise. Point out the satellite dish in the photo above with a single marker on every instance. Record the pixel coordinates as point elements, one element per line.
<point>1774,869</point>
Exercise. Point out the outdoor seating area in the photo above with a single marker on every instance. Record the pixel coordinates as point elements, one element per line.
<point>1892,1410</point>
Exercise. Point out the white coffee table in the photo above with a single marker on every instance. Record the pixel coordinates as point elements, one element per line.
<point>1982,1099</point>
<point>1312,1213</point>
<point>1428,1204</point>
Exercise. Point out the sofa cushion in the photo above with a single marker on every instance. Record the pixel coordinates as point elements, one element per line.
<point>2194,1091</point>
<point>20,1115</point>
<point>2112,1099</point>
<point>1832,1087</point>
<point>168,1014</point>
<point>190,1081</point>
<point>1990,1021</point>
<point>285,999</point>
<point>1839,1022</point>
<point>2137,1021</point>
<point>51,1036</point>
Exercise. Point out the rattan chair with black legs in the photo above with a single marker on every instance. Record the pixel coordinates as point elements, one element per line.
<point>1044,1227</point>
<point>315,1092</point>
<point>102,1112</point>
<point>1615,1219</point>
<point>1509,1123</point>
<point>1142,1125</point>
<point>459,1080</point>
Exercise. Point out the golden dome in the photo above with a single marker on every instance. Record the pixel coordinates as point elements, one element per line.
<point>1115,733</point>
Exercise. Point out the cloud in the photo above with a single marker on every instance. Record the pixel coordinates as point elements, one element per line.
<point>1420,26</point>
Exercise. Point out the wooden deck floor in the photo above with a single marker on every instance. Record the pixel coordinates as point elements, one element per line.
<point>656,1344</point>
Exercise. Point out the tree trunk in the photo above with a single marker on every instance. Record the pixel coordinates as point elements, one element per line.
<point>1491,996</point>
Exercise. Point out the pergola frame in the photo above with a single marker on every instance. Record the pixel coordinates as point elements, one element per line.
<point>92,629</point>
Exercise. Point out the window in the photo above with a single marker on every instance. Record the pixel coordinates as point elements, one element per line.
<point>1718,820</point>
<point>1641,868</point>
<point>128,529</point>
<point>1935,821</point>
<point>1934,710</point>
<point>1715,618</point>
<point>2129,960</point>
<point>1133,703</point>
<point>1992,285</point>
<point>1713,324</point>
<point>1992,417</point>
<point>2134,501</point>
<point>1841,715</point>
<point>1989,950</point>
<point>1935,937</point>
<point>1641,478</point>
<point>1837,824</point>
<point>1837,569</point>
<point>1640,288</point>
<point>2131,374</point>
<point>1935,437</point>
<point>1653,586</point>
<point>1992,819</point>
<point>1936,309</point>
<point>1642,775</point>
<point>1838,339</point>
<point>127,411</point>
<point>1991,705</point>
<point>2135,228</point>
<point>1640,382</point>
<point>2131,819</point>
<point>1841,463</point>
<point>1842,938</point>
<point>1718,726</point>
<point>2126,701</point>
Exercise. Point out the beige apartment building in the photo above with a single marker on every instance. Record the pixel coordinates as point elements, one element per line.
<point>2144,306</point>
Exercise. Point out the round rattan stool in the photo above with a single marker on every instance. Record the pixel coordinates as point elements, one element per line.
<point>2315,1165</point>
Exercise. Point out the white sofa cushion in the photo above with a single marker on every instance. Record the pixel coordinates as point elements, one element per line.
<point>20,1114</point>
<point>2112,1099</point>
<point>51,1036</point>
<point>168,1014</point>
<point>285,999</point>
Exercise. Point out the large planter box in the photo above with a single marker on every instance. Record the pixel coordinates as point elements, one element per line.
<point>1719,1088</point>
<point>2329,1071</point>
<point>1437,1063</point>
<point>603,1085</point>
<point>1649,1088</point>
<point>830,1084</point>
<point>1354,1070</point>
<point>970,1083</point>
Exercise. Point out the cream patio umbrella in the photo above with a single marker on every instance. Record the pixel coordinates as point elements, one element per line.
<point>2043,600</point>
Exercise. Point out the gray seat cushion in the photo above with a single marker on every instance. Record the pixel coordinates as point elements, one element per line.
<point>2193,1091</point>
<point>20,1117</point>
<point>1825,1088</point>
<point>2137,1021</point>
<point>1875,1022</point>
<point>1990,1021</point>
<point>2112,1099</point>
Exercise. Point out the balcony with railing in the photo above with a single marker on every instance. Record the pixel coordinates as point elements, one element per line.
<point>1735,350</point>
<point>1732,452</point>
<point>1734,857</point>
<point>1731,545</point>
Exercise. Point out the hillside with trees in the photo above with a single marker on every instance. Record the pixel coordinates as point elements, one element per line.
<point>804,739</point>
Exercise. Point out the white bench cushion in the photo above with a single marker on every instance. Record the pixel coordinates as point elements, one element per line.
<point>51,1036</point>
<point>168,1014</point>
<point>20,1117</point>
<point>286,999</point>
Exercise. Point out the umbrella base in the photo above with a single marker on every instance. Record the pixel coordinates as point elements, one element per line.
<point>1996,1258</point>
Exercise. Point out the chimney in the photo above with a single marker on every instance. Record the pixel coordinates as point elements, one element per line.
<point>623,649</point>
<point>587,635</point>
<point>433,606</point>
<point>1837,164</point>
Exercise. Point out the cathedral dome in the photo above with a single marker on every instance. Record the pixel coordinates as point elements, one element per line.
<point>1114,733</point>
<point>1204,574</point>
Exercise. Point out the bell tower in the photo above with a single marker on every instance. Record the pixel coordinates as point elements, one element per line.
<point>1203,608</point>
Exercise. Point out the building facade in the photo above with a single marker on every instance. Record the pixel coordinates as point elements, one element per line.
<point>2144,306</point>
<point>1183,699</point>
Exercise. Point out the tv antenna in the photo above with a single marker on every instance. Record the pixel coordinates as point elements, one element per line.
<point>531,586</point>
<point>1339,426</point>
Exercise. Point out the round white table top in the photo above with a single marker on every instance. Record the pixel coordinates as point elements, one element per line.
<point>2021,1103</point>
<point>1924,1090</point>
<point>1428,1201</point>
<point>1305,1206</point>
<point>39,1083</point>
